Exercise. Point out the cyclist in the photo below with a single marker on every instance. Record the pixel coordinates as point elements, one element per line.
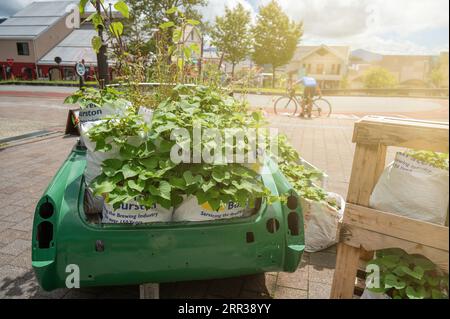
<point>311,89</point>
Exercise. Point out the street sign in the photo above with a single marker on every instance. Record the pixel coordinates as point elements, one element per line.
<point>80,68</point>
<point>10,62</point>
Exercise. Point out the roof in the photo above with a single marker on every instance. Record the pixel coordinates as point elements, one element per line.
<point>75,47</point>
<point>303,51</point>
<point>33,20</point>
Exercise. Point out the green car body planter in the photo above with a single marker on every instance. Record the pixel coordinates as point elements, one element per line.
<point>124,254</point>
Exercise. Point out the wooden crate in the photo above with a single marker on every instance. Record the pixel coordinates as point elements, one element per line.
<point>365,230</point>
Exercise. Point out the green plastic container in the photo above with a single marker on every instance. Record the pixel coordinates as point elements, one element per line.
<point>123,254</point>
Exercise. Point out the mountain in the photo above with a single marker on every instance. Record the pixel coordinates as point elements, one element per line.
<point>366,56</point>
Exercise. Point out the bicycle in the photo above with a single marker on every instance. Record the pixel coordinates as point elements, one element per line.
<point>289,104</point>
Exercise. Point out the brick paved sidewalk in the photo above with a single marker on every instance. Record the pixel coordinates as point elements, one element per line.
<point>26,170</point>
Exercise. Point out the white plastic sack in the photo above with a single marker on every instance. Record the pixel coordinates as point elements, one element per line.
<point>133,213</point>
<point>88,118</point>
<point>92,115</point>
<point>190,210</point>
<point>413,189</point>
<point>367,294</point>
<point>321,222</point>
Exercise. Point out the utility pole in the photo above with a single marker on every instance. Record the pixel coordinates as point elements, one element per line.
<point>102,62</point>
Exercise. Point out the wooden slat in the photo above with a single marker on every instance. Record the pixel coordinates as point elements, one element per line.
<point>402,133</point>
<point>368,165</point>
<point>371,240</point>
<point>149,291</point>
<point>421,232</point>
<point>347,262</point>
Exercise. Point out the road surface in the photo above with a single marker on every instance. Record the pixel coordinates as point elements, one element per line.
<point>24,109</point>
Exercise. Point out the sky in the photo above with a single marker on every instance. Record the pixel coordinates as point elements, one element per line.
<point>382,26</point>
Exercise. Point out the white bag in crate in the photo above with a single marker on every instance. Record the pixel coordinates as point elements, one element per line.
<point>88,118</point>
<point>367,294</point>
<point>321,222</point>
<point>413,189</point>
<point>190,210</point>
<point>133,213</point>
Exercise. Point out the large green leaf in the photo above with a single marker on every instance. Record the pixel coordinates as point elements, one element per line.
<point>166,25</point>
<point>116,28</point>
<point>190,179</point>
<point>122,8</point>
<point>130,170</point>
<point>150,163</point>
<point>103,187</point>
<point>96,43</point>
<point>392,281</point>
<point>139,186</point>
<point>416,273</point>
<point>416,293</point>
<point>165,188</point>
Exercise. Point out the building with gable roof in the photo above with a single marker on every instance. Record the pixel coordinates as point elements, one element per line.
<point>327,64</point>
<point>30,34</point>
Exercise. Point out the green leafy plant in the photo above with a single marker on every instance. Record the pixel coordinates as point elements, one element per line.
<point>300,177</point>
<point>405,276</point>
<point>145,172</point>
<point>97,97</point>
<point>438,160</point>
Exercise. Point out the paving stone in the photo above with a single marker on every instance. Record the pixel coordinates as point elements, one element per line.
<point>263,284</point>
<point>54,294</point>
<point>246,294</point>
<point>319,290</point>
<point>323,259</point>
<point>16,247</point>
<point>290,293</point>
<point>320,274</point>
<point>191,289</point>
<point>5,225</point>
<point>16,217</point>
<point>9,235</point>
<point>297,279</point>
<point>25,225</point>
<point>4,259</point>
<point>16,282</point>
<point>23,260</point>
<point>227,288</point>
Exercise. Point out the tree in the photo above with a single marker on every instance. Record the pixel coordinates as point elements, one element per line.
<point>436,76</point>
<point>147,15</point>
<point>231,35</point>
<point>379,78</point>
<point>275,37</point>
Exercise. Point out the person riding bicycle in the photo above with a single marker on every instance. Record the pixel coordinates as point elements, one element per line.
<point>311,89</point>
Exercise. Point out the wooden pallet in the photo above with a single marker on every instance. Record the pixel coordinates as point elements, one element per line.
<point>365,230</point>
<point>149,291</point>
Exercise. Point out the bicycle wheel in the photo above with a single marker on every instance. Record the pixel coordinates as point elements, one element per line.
<point>285,105</point>
<point>321,107</point>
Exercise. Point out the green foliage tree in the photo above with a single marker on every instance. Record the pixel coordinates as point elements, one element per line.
<point>275,37</point>
<point>379,78</point>
<point>147,15</point>
<point>231,35</point>
<point>436,77</point>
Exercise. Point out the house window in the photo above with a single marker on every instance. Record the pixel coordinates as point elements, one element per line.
<point>319,68</point>
<point>333,69</point>
<point>22,48</point>
<point>338,69</point>
<point>192,35</point>
<point>308,69</point>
